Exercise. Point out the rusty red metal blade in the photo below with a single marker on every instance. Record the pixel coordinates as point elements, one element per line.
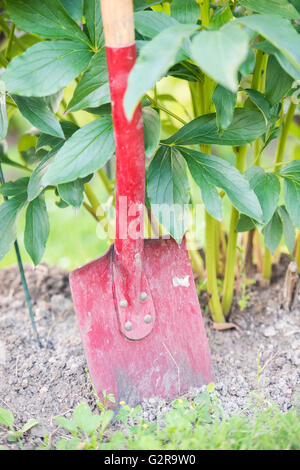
<point>173,357</point>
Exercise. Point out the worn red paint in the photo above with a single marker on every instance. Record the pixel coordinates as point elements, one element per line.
<point>169,354</point>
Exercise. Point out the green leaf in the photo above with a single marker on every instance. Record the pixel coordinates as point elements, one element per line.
<point>281,8</point>
<point>288,228</point>
<point>66,423</point>
<point>224,101</point>
<point>142,4</point>
<point>225,176</point>
<point>279,32</point>
<point>220,17</point>
<point>44,18</point>
<point>15,188</point>
<point>273,232</point>
<point>31,423</point>
<point>292,200</point>
<point>247,125</point>
<point>74,8</point>
<point>46,68</point>
<point>286,65</point>
<point>3,116</point>
<point>93,89</point>
<point>248,65</point>
<point>210,196</point>
<point>278,82</point>
<point>266,187</point>
<point>244,224</point>
<point>260,101</point>
<point>106,418</point>
<point>153,62</point>
<point>26,148</point>
<point>291,170</point>
<point>185,11</point>
<point>5,160</point>
<point>72,193</point>
<point>85,419</point>
<point>92,14</point>
<point>46,140</point>
<point>37,229</point>
<point>168,190</point>
<point>84,153</point>
<point>152,129</point>
<point>296,4</point>
<point>151,23</point>
<point>35,186</point>
<point>9,212</point>
<point>6,418</point>
<point>39,114</point>
<point>220,53</point>
<point>186,71</point>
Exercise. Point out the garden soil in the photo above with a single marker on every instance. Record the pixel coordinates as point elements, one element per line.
<point>43,383</point>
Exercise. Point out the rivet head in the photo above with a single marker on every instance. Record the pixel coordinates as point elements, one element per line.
<point>123,303</point>
<point>147,319</point>
<point>128,326</point>
<point>143,296</point>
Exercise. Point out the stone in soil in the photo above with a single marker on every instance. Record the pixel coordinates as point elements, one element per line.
<point>43,383</point>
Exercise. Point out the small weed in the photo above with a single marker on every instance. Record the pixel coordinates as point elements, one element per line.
<point>15,435</point>
<point>195,425</point>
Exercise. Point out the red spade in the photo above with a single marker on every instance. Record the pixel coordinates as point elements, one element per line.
<point>137,306</point>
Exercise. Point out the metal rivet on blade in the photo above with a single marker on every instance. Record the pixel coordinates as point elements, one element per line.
<point>143,296</point>
<point>128,326</point>
<point>123,303</point>
<point>147,319</point>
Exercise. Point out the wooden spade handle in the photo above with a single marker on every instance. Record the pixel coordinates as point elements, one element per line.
<point>118,22</point>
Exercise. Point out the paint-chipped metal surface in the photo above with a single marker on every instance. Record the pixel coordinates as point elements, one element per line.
<point>173,357</point>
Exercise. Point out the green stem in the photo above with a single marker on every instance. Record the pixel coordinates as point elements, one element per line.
<point>267,265</point>
<point>202,101</point>
<point>165,110</point>
<point>6,30</point>
<point>205,17</point>
<point>108,185</point>
<point>3,61</point>
<point>211,269</point>
<point>228,286</point>
<point>23,278</point>
<point>91,197</point>
<point>284,133</point>
<point>258,83</point>
<point>9,42</point>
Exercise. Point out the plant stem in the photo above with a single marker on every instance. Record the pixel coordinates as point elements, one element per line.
<point>211,270</point>
<point>258,83</point>
<point>202,103</point>
<point>23,278</point>
<point>205,17</point>
<point>91,197</point>
<point>196,262</point>
<point>267,265</point>
<point>165,110</point>
<point>228,286</point>
<point>9,42</point>
<point>284,133</point>
<point>108,185</point>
